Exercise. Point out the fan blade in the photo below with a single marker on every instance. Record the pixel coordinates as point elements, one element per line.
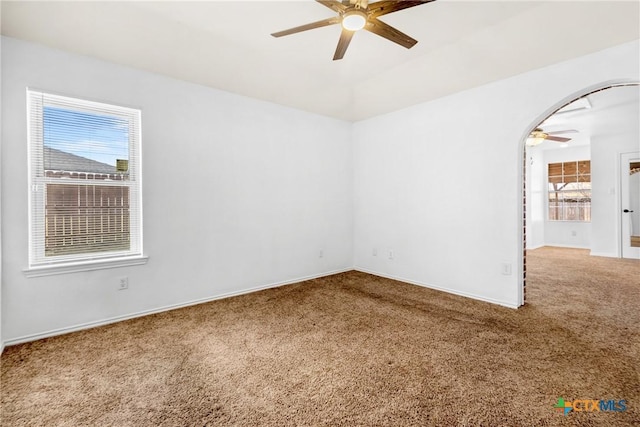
<point>388,32</point>
<point>317,24</point>
<point>557,139</point>
<point>343,43</point>
<point>560,132</point>
<point>336,6</point>
<point>380,8</point>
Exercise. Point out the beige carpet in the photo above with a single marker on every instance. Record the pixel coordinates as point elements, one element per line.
<point>352,350</point>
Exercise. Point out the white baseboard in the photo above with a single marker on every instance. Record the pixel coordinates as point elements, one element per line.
<point>532,248</point>
<point>604,254</point>
<point>103,322</point>
<point>558,245</point>
<point>438,288</point>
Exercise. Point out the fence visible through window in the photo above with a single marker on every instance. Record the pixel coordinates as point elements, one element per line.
<point>86,218</point>
<point>565,210</point>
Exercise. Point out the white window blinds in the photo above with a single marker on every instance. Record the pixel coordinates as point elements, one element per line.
<point>84,170</point>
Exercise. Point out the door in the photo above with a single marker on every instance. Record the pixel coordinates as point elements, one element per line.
<point>630,204</point>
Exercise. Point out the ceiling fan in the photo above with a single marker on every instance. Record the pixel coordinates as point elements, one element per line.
<point>356,15</point>
<point>537,136</point>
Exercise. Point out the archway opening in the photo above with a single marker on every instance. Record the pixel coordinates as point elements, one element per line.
<point>585,133</point>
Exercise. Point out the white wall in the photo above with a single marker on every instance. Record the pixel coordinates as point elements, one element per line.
<point>571,234</point>
<point>238,194</point>
<point>536,197</point>
<point>568,234</point>
<point>439,183</point>
<point>1,276</point>
<point>437,186</point>
<point>605,174</point>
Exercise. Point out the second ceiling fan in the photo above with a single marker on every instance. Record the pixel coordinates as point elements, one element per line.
<point>538,136</point>
<point>356,15</point>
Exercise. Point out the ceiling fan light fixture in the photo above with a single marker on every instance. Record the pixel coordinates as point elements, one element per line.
<point>536,137</point>
<point>354,20</point>
<point>533,141</point>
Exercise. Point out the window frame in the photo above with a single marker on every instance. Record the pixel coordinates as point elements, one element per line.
<point>563,191</point>
<point>41,264</point>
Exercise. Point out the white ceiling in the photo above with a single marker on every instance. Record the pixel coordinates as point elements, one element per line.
<point>614,111</point>
<point>227,45</point>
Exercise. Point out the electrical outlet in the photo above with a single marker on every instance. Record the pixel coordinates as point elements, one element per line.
<point>505,268</point>
<point>374,252</point>
<point>391,254</point>
<point>123,283</point>
<point>321,253</point>
<point>574,233</point>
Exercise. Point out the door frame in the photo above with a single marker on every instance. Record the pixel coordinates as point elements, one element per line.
<point>623,164</point>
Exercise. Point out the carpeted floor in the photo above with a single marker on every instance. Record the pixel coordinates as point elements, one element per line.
<point>353,350</point>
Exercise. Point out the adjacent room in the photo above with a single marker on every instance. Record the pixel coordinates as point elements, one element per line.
<point>320,213</point>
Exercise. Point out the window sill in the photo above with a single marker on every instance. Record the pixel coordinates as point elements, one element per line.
<point>50,270</point>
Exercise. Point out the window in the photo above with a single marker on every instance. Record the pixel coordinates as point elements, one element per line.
<point>570,191</point>
<point>85,201</point>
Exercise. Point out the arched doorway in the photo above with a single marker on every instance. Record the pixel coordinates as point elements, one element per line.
<point>573,208</point>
